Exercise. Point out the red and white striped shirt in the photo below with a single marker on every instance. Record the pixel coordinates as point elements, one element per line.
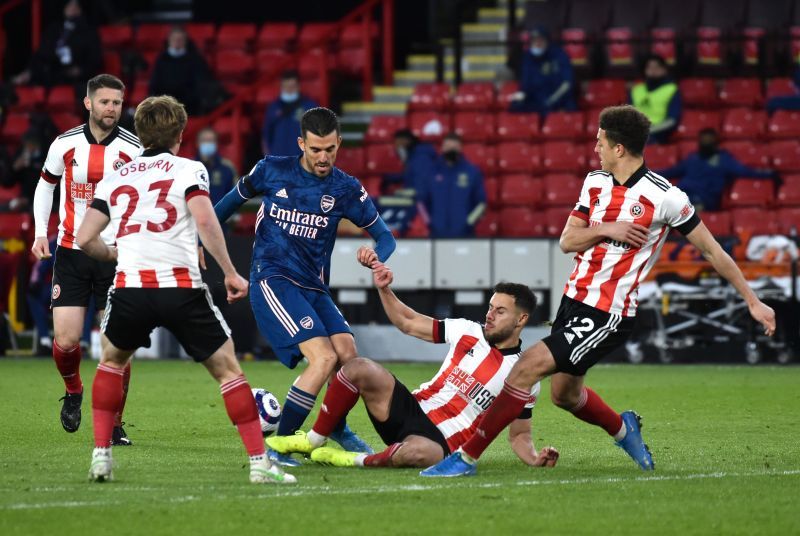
<point>607,275</point>
<point>79,163</point>
<point>147,202</point>
<point>471,377</point>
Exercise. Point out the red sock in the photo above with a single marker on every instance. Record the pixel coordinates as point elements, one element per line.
<point>106,398</point>
<point>126,380</point>
<point>339,399</point>
<point>241,407</point>
<point>68,363</point>
<point>593,410</point>
<point>382,459</point>
<point>507,406</point>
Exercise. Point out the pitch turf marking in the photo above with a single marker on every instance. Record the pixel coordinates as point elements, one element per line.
<point>328,490</point>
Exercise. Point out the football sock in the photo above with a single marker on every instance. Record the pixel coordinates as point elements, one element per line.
<point>340,398</point>
<point>241,408</point>
<point>68,362</point>
<point>381,459</point>
<point>295,410</point>
<point>106,399</point>
<point>126,380</point>
<point>592,409</point>
<point>507,406</point>
<point>257,459</point>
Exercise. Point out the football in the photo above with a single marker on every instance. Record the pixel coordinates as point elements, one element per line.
<point>269,410</point>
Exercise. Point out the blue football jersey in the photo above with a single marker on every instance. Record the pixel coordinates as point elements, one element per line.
<point>299,215</point>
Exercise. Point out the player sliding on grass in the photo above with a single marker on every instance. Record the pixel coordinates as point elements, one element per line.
<point>617,229</point>
<point>423,427</point>
<point>157,204</point>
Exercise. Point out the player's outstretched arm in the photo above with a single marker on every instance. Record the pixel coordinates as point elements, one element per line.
<point>214,241</point>
<point>704,241</point>
<point>578,236</point>
<point>228,205</point>
<point>385,244</point>
<point>401,315</point>
<point>89,236</point>
<point>519,435</point>
<point>42,205</point>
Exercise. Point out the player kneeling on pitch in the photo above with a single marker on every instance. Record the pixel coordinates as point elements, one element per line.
<point>423,427</point>
<point>157,204</point>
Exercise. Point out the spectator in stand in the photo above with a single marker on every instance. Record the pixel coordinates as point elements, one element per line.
<point>419,159</point>
<point>221,171</point>
<point>282,119</point>
<point>659,98</point>
<point>38,298</point>
<point>69,53</point>
<point>787,102</point>
<point>703,175</point>
<point>454,198</point>
<point>547,82</point>
<point>26,165</point>
<point>181,71</point>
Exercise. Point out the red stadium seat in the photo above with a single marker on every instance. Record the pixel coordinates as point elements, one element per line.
<point>489,225</point>
<point>112,62</point>
<point>429,126</point>
<point>15,125</point>
<point>751,193</point>
<point>201,33</point>
<point>785,155</point>
<point>753,221</point>
<point>65,121</point>
<point>604,92</point>
<point>8,194</point>
<point>521,222</point>
<point>693,121</point>
<point>272,61</point>
<point>276,35</point>
<point>744,123</point>
<point>116,36</point>
<point>619,48</point>
<point>784,124</point>
<point>372,185</point>
<point>430,96</point>
<point>563,156</point>
<point>266,94</point>
<point>741,92</point>
<point>313,64</point>
<point>592,160</point>
<point>15,225</point>
<point>574,43</point>
<point>492,187</point>
<point>563,126</point>
<point>663,44</point>
<point>234,65</point>
<point>151,37</point>
<point>61,99</point>
<point>788,220</point>
<point>381,128</point>
<point>352,35</point>
<point>520,190</point>
<point>351,160</point>
<point>709,48</point>
<point>517,127</point>
<point>789,193</point>
<point>592,125</point>
<point>718,223</point>
<point>507,89</point>
<point>382,159</point>
<point>225,127</point>
<point>351,60</point>
<point>556,218</point>
<point>316,34</point>
<point>780,87</point>
<point>482,155</point>
<point>748,153</point>
<point>245,223</point>
<point>661,156</point>
<point>517,156</point>
<point>752,38</point>
<point>699,92</point>
<point>317,89</point>
<point>29,98</point>
<point>562,189</point>
<point>474,96</point>
<point>474,126</point>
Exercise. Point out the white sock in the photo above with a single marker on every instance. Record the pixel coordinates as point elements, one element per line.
<point>316,439</point>
<point>467,458</point>
<point>619,436</point>
<point>257,459</point>
<point>103,451</point>
<point>359,460</point>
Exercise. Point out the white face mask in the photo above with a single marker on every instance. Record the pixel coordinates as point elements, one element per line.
<point>289,97</point>
<point>537,51</point>
<point>176,52</point>
<point>207,149</point>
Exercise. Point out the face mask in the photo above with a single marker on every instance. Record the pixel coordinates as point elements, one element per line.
<point>402,154</point>
<point>289,97</point>
<point>451,156</point>
<point>707,150</point>
<point>537,51</point>
<point>207,149</point>
<point>176,52</point>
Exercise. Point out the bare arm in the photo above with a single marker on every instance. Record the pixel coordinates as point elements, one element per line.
<point>401,315</point>
<point>519,435</point>
<point>89,236</point>
<point>704,241</point>
<point>578,236</point>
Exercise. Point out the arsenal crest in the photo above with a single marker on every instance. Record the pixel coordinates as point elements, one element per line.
<point>326,203</point>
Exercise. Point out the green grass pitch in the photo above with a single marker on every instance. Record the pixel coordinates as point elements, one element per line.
<point>726,441</point>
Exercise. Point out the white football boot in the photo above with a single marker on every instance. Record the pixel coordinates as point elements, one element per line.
<point>265,472</point>
<point>100,470</point>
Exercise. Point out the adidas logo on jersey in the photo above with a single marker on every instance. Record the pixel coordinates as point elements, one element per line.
<point>74,163</point>
<point>282,193</point>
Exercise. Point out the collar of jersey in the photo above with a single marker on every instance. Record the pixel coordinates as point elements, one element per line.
<point>154,151</point>
<point>510,351</point>
<point>106,141</point>
<point>636,177</point>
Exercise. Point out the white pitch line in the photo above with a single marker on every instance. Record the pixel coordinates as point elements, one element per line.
<point>446,484</point>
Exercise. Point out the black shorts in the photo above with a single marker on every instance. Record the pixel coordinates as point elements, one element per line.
<point>77,277</point>
<point>407,418</point>
<point>582,335</point>
<point>189,313</point>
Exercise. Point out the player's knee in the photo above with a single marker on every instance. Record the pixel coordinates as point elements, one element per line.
<point>534,364</point>
<point>324,362</point>
<point>563,400</point>
<point>66,340</point>
<point>357,369</point>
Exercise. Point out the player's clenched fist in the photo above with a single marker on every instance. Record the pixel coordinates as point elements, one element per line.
<point>41,248</point>
<point>382,276</point>
<point>366,256</point>
<point>236,286</point>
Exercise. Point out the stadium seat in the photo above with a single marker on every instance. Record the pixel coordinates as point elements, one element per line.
<point>151,37</point>
<point>574,41</point>
<point>563,126</point>
<point>429,126</point>
<point>788,220</point>
<point>507,89</point>
<point>351,61</point>
<point>699,92</point>
<point>592,124</point>
<point>226,125</point>
<point>65,121</point>
<point>619,47</point>
<point>116,36</point>
<point>780,87</point>
<point>245,223</point>
<point>266,94</point>
<point>785,155</point>
<point>276,35</point>
<point>316,34</point>
<point>372,184</point>
<point>604,92</point>
<point>482,155</point>
<point>562,189</point>
<point>661,156</point>
<point>744,123</point>
<point>352,35</point>
<point>517,127</point>
<point>709,46</point>
<point>10,193</point>
<point>751,193</point>
<point>563,156</point>
<point>663,44</point>
<point>555,220</point>
<point>474,96</point>
<point>521,222</point>
<point>474,126</point>
<point>489,225</point>
<point>351,160</point>
<point>592,160</point>
<point>233,65</point>
<point>751,48</point>
<point>741,92</point>
<point>784,124</point>
<point>382,159</point>
<point>693,121</point>
<point>14,126</point>
<point>313,64</point>
<point>317,89</point>
<point>718,223</point>
<point>15,224</point>
<point>492,187</point>
<point>520,190</point>
<point>753,221</point>
<point>430,96</point>
<point>517,156</point>
<point>273,61</point>
<point>748,153</point>
<point>61,99</point>
<point>381,128</point>
<point>29,98</point>
<point>202,34</point>
<point>112,62</point>
<point>789,193</point>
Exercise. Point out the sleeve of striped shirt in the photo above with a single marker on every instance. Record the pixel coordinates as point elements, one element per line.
<point>679,212</point>
<point>53,167</point>
<point>581,209</point>
<point>195,180</point>
<point>438,331</point>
